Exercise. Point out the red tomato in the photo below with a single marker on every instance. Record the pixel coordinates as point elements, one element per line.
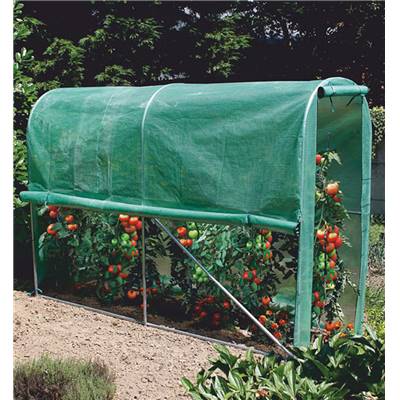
<point>263,319</point>
<point>189,242</point>
<point>139,225</point>
<point>282,322</point>
<point>123,217</point>
<point>226,305</point>
<point>69,219</point>
<point>257,281</point>
<point>181,231</point>
<point>338,242</point>
<point>129,229</point>
<point>203,314</point>
<point>318,159</point>
<point>278,335</point>
<point>265,300</point>
<point>123,275</point>
<point>52,208</point>
<point>329,247</point>
<point>53,214</point>
<point>132,294</point>
<point>332,189</point>
<point>72,227</point>
<point>216,316</point>
<point>50,230</point>
<point>267,245</point>
<point>274,325</point>
<point>320,234</point>
<point>133,220</point>
<point>332,237</point>
<point>111,269</point>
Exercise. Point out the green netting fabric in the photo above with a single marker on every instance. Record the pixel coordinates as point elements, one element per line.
<point>225,152</point>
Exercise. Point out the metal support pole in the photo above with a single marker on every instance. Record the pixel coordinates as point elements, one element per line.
<point>144,293</point>
<point>33,230</point>
<point>237,302</point>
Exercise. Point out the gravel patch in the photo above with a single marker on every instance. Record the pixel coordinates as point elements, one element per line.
<point>148,363</point>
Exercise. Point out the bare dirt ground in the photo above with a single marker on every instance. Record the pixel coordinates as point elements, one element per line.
<point>148,363</point>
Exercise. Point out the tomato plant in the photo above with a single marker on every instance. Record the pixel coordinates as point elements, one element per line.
<point>86,249</point>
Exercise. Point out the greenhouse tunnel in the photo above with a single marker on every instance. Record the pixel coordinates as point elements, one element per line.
<point>231,153</point>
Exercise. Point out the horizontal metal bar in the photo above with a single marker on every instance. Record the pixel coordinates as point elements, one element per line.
<point>119,205</point>
<point>342,90</point>
<point>207,338</point>
<point>152,325</point>
<point>88,308</point>
<point>228,294</point>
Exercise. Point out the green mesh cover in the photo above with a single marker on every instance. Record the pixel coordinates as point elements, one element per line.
<point>217,152</point>
<point>237,153</point>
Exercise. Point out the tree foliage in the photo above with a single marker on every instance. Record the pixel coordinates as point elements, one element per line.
<point>141,43</point>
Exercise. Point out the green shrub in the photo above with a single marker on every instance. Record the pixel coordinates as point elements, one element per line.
<point>378,127</point>
<point>335,368</point>
<point>376,256</point>
<point>375,310</point>
<point>56,379</point>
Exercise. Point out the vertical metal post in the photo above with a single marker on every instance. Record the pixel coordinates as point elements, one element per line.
<point>304,283</point>
<point>365,214</point>
<point>144,285</point>
<point>34,255</point>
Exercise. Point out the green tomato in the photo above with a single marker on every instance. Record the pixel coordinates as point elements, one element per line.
<point>125,237</point>
<point>249,245</point>
<point>193,234</point>
<point>259,239</point>
<point>191,225</point>
<point>114,242</point>
<point>198,270</point>
<point>322,257</point>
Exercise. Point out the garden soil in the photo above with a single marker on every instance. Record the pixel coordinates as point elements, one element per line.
<point>148,363</point>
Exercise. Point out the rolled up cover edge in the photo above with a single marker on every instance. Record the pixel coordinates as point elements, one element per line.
<point>148,211</point>
<point>342,90</point>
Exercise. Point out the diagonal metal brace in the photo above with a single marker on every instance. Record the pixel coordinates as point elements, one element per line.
<point>237,302</point>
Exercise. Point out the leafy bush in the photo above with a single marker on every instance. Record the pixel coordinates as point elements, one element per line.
<point>376,257</point>
<point>56,379</point>
<point>339,367</point>
<point>375,310</point>
<point>378,125</point>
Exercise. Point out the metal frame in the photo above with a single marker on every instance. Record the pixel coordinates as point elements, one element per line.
<point>226,291</point>
<point>145,322</point>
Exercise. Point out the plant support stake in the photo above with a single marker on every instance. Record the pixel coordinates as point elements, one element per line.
<point>237,302</point>
<point>144,274</point>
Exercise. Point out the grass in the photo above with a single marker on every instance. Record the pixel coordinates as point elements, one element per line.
<point>375,298</point>
<point>49,378</point>
<point>375,310</point>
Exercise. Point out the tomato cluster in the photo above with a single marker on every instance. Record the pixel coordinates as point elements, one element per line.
<point>210,311</point>
<point>68,222</point>
<point>187,234</point>
<point>277,321</point>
